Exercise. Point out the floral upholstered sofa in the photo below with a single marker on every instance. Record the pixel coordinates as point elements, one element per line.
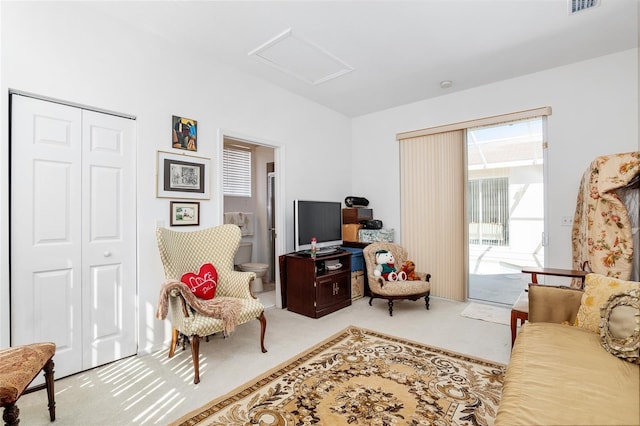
<point>576,361</point>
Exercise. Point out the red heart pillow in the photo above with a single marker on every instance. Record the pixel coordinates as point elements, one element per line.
<point>203,284</point>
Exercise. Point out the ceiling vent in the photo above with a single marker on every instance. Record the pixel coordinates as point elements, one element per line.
<point>576,6</point>
<point>300,58</point>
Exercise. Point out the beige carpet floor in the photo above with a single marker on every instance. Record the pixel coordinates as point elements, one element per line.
<point>153,390</point>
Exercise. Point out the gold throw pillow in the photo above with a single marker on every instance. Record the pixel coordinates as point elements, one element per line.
<point>597,290</point>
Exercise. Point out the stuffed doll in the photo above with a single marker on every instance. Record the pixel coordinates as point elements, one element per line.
<point>385,267</point>
<point>409,268</point>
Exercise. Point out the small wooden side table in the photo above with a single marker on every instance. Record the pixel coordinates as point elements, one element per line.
<point>570,273</point>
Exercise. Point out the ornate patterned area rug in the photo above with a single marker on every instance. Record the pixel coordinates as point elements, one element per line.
<point>362,377</point>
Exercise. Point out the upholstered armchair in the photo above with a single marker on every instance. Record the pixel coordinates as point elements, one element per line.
<point>394,290</point>
<point>520,309</point>
<point>183,252</point>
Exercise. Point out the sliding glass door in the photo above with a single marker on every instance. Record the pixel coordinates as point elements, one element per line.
<point>505,207</point>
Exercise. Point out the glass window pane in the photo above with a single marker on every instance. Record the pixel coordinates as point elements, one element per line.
<point>505,206</point>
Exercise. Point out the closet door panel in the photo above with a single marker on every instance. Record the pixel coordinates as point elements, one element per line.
<point>109,219</point>
<point>46,253</point>
<point>105,205</point>
<point>51,186</point>
<point>52,317</point>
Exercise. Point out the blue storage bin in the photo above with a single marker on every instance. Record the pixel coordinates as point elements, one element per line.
<point>357,258</point>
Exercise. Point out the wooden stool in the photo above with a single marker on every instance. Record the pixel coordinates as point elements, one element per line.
<point>19,365</point>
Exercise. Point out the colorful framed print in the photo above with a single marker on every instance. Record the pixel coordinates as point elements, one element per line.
<point>185,213</point>
<point>182,176</point>
<point>184,133</point>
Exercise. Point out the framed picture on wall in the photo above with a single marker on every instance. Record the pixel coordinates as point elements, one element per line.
<point>182,176</point>
<point>184,133</point>
<point>185,213</point>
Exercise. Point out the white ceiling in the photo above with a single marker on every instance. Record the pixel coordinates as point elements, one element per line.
<point>399,50</point>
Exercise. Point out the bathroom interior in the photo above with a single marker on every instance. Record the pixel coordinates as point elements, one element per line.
<point>253,210</point>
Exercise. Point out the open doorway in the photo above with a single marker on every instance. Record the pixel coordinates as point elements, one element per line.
<point>505,207</point>
<point>248,184</point>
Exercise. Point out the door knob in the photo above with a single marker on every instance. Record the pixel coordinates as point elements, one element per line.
<point>107,254</point>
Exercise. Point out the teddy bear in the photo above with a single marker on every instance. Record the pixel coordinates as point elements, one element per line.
<point>409,268</point>
<point>385,267</point>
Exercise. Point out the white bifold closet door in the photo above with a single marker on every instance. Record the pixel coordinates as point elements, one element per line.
<point>73,232</point>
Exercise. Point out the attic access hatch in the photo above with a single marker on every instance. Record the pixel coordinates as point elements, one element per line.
<point>300,58</point>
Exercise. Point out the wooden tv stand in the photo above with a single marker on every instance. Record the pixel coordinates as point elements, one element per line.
<point>314,290</point>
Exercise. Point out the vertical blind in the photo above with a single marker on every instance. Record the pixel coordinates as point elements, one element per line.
<point>236,175</point>
<point>432,187</point>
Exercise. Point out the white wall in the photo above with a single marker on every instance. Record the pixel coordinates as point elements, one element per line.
<point>64,51</point>
<point>595,112</point>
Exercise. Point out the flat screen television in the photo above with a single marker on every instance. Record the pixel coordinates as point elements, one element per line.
<point>319,219</point>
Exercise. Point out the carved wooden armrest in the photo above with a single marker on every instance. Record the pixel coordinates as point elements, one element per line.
<point>569,273</point>
<point>424,276</point>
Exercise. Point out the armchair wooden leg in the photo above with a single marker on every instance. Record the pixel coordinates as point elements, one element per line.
<point>48,377</point>
<point>11,414</point>
<point>174,342</point>
<point>370,300</point>
<point>195,354</point>
<point>426,301</point>
<point>390,307</point>
<point>263,329</point>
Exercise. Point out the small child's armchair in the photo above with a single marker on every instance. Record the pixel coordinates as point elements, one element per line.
<point>394,290</point>
<point>183,252</point>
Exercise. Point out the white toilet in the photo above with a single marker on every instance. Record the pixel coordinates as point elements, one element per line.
<point>243,263</point>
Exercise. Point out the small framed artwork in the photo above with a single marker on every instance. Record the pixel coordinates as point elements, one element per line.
<point>184,133</point>
<point>182,176</point>
<point>185,213</point>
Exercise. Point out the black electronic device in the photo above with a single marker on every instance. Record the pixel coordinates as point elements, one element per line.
<point>371,224</point>
<point>352,201</point>
<point>321,220</point>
